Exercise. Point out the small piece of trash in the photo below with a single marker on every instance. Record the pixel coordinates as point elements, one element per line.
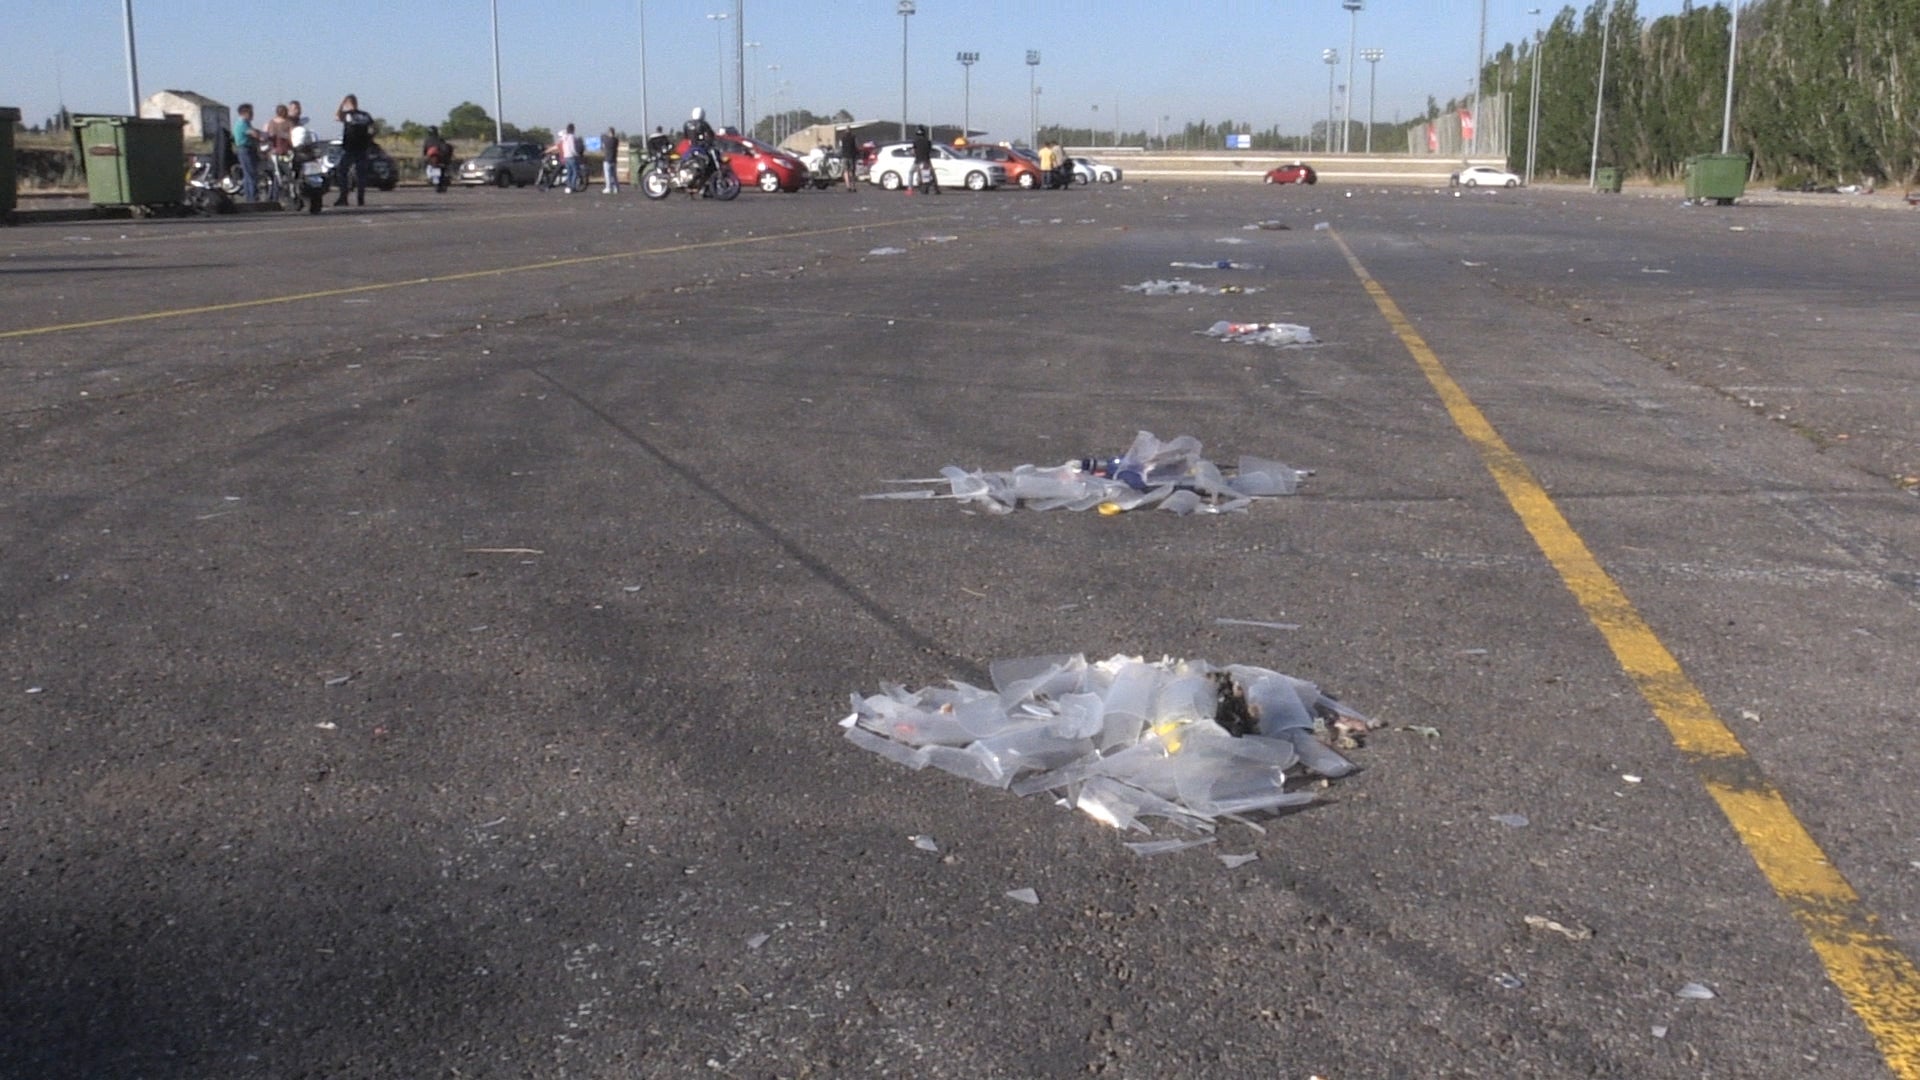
<point>1232,862</point>
<point>1183,287</point>
<point>1571,933</point>
<point>339,680</point>
<point>1025,896</point>
<point>1694,991</point>
<point>1230,240</point>
<point>1422,730</point>
<point>1629,778</point>
<point>1509,981</point>
<point>1277,334</point>
<point>1654,270</point>
<point>1512,821</point>
<point>924,843</point>
<point>1163,847</point>
<point>1468,262</point>
<point>1257,623</point>
<point>505,551</point>
<point>326,725</point>
<point>1322,226</point>
<point>758,940</point>
<point>1217,264</point>
<point>1749,716</point>
<point>36,689</point>
<point>938,239</point>
<point>888,251</point>
<point>1471,652</point>
<point>631,588</point>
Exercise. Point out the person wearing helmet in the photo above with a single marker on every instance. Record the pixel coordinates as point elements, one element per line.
<point>923,179</point>
<point>699,136</point>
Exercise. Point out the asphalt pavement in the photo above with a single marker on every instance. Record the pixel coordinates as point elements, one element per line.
<point>426,626</point>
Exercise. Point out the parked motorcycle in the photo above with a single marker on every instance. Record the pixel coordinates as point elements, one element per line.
<point>702,172</point>
<point>553,174</point>
<point>312,178</point>
<point>825,168</point>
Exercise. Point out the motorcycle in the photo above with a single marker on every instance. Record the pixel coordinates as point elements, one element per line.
<point>825,168</point>
<point>553,174</point>
<point>311,178</point>
<point>699,172</point>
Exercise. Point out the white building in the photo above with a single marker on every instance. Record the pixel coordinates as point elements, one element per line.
<point>204,115</point>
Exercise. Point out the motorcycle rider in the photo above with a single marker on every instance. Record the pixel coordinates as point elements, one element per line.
<point>438,153</point>
<point>699,135</point>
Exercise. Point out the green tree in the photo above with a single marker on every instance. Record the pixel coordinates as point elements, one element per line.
<point>467,121</point>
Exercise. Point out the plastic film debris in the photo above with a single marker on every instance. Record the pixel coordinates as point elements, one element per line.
<point>1123,740</point>
<point>1261,333</point>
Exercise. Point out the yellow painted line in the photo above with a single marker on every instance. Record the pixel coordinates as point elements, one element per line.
<point>440,279</point>
<point>1880,982</point>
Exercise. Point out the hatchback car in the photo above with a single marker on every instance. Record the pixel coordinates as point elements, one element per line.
<point>892,169</point>
<point>756,164</point>
<point>1483,176</point>
<point>1021,171</point>
<point>1298,172</point>
<point>1087,171</point>
<point>381,171</point>
<point>510,164</point>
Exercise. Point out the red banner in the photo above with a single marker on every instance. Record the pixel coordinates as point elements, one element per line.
<point>1466,125</point>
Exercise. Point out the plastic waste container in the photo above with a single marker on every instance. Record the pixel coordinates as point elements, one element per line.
<point>1607,180</point>
<point>9,183</point>
<point>1720,177</point>
<point>132,160</point>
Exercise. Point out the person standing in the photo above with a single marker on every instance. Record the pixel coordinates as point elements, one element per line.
<point>923,179</point>
<point>279,140</point>
<point>850,156</point>
<point>610,162</point>
<point>569,146</point>
<point>1046,164</point>
<point>356,140</point>
<point>246,145</point>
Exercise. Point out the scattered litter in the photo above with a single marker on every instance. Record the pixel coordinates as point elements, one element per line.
<point>1230,240</point>
<point>505,551</point>
<point>924,843</point>
<point>1469,262</point>
<point>1749,716</point>
<point>1322,226</point>
<point>888,251</point>
<point>1471,652</point>
<point>1271,226</point>
<point>1653,270</point>
<point>1025,896</point>
<point>1258,623</point>
<point>1256,333</point>
<point>1572,933</point>
<point>1170,475</point>
<point>1422,730</point>
<point>1629,778</point>
<point>1234,862</point>
<point>632,588</point>
<point>1659,1031</point>
<point>1123,739</point>
<point>1183,287</point>
<point>1162,847</point>
<point>1216,264</point>
<point>758,940</point>
<point>339,680</point>
<point>938,239</point>
<point>1694,991</point>
<point>1512,821</point>
<point>1508,981</point>
<point>36,689</point>
<point>326,725</point>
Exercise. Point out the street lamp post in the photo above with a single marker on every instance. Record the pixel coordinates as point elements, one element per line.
<point>740,64</point>
<point>646,121</point>
<point>1093,127</point>
<point>1533,103</point>
<point>720,58</point>
<point>967,60</point>
<point>497,130</point>
<point>1373,58</point>
<point>133,67</point>
<point>1479,69</point>
<point>905,8</point>
<point>1733,47</point>
<point>1332,57</point>
<point>779,116</point>
<point>1353,30</point>
<point>1033,98</point>
<point>749,116</point>
<point>1599,103</point>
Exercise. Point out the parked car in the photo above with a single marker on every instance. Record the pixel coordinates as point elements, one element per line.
<point>756,164</point>
<point>892,169</point>
<point>1483,176</point>
<point>1087,171</point>
<point>1298,172</point>
<point>381,170</point>
<point>515,164</point>
<point>1021,170</point>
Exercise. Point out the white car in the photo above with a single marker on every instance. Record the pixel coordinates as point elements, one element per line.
<point>1483,176</point>
<point>893,169</point>
<point>1087,170</point>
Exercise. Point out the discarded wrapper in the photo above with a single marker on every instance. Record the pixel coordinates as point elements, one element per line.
<point>1167,475</point>
<point>1261,333</point>
<point>1123,739</point>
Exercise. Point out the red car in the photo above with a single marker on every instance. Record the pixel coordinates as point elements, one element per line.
<point>1297,173</point>
<point>756,164</point>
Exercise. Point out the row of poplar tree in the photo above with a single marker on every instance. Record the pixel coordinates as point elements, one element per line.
<point>1824,91</point>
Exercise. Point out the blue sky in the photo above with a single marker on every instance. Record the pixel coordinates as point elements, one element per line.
<point>579,60</point>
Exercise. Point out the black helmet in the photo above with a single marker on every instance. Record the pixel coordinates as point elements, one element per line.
<point>921,130</point>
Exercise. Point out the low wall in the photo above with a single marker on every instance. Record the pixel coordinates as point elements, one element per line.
<point>1252,165</point>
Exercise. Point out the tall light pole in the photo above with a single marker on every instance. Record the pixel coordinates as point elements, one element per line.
<point>1332,57</point>
<point>751,126</point>
<point>1033,99</point>
<point>1479,66</point>
<point>498,134</point>
<point>133,67</point>
<point>720,58</point>
<point>740,64</point>
<point>1726,117</point>
<point>1600,101</point>
<point>967,60</point>
<point>1533,103</point>
<point>646,122</point>
<point>1093,126</point>
<point>779,115</point>
<point>1353,30</point>
<point>1373,58</point>
<point>904,9</point>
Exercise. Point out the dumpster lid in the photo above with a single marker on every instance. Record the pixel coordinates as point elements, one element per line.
<point>9,114</point>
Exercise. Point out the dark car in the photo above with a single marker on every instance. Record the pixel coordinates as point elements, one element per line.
<point>381,171</point>
<point>508,164</point>
<point>1298,172</point>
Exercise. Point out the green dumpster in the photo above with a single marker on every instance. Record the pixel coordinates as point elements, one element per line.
<point>1607,181</point>
<point>1720,177</point>
<point>132,160</point>
<point>9,184</point>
